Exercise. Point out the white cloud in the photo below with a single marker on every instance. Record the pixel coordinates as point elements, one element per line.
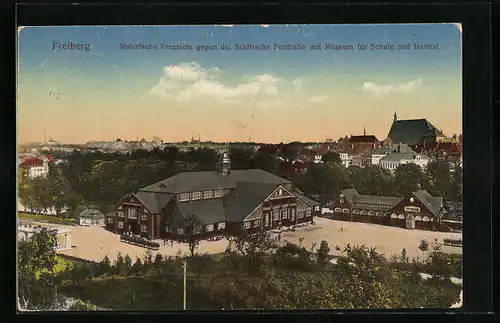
<point>318,98</point>
<point>187,81</point>
<point>299,82</point>
<point>379,90</point>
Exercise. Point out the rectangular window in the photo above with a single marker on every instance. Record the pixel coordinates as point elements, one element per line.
<point>195,195</point>
<point>276,215</point>
<point>221,225</point>
<point>219,193</point>
<point>266,219</point>
<point>284,214</point>
<point>316,208</point>
<point>144,228</point>
<point>292,213</point>
<point>256,223</point>
<point>132,213</point>
<point>208,194</point>
<point>183,197</point>
<point>120,214</point>
<point>120,224</point>
<point>167,228</point>
<point>144,217</point>
<point>300,214</point>
<point>246,225</point>
<point>210,227</point>
<point>110,220</point>
<point>180,231</point>
<point>308,213</point>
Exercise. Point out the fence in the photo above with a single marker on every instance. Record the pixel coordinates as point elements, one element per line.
<point>453,242</point>
<point>140,242</point>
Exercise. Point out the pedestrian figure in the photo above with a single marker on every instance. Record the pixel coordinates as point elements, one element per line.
<point>341,229</point>
<point>172,243</point>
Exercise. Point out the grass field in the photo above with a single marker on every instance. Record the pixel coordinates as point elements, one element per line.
<point>46,218</point>
<point>60,266</point>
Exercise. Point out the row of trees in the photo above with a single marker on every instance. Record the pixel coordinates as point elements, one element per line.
<point>329,179</point>
<point>53,192</point>
<point>254,272</point>
<point>105,178</point>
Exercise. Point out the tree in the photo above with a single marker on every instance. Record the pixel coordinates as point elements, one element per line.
<point>322,252</point>
<point>292,257</point>
<point>322,179</point>
<point>407,178</point>
<point>158,259</point>
<point>119,264</point>
<point>37,286</point>
<point>127,261</point>
<point>331,157</point>
<point>250,248</point>
<point>81,306</point>
<point>105,265</point>
<point>192,232</point>
<point>423,246</point>
<point>456,185</point>
<point>438,178</point>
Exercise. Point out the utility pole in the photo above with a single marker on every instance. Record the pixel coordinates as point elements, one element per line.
<point>184,301</point>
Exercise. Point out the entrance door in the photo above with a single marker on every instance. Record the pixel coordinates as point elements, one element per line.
<point>410,222</point>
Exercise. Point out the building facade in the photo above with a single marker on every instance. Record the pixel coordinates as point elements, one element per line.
<point>393,160</point>
<point>224,202</point>
<point>414,132</point>
<point>418,210</point>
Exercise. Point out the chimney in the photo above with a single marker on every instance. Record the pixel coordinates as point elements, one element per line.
<point>364,131</point>
<point>226,164</point>
<point>419,187</point>
<point>395,117</point>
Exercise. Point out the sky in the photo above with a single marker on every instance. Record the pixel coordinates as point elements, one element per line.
<point>99,91</point>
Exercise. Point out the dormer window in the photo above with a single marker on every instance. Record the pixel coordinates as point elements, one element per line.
<point>183,197</point>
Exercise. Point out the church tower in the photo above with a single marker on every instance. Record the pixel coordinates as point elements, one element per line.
<point>226,164</point>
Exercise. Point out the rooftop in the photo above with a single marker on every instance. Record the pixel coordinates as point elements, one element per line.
<point>412,131</point>
<point>210,180</point>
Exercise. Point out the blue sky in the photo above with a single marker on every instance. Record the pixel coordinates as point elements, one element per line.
<point>122,87</point>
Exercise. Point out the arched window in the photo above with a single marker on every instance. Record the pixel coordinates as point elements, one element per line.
<point>418,218</point>
<point>401,216</point>
<point>355,211</point>
<point>425,218</point>
<point>394,216</point>
<point>371,213</point>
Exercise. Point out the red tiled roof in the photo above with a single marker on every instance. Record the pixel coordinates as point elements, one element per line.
<point>360,139</point>
<point>31,161</point>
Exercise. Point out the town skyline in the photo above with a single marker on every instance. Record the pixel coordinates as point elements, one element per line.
<point>106,93</point>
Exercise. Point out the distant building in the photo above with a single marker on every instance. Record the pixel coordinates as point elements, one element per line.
<point>34,166</point>
<point>91,217</point>
<point>346,159</point>
<point>224,201</point>
<point>393,160</point>
<point>414,132</point>
<point>63,235</point>
<point>380,153</point>
<point>417,210</point>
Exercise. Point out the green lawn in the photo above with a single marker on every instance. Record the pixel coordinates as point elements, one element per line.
<point>60,266</point>
<point>46,218</point>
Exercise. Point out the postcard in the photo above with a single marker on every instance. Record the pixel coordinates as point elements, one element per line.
<point>231,167</point>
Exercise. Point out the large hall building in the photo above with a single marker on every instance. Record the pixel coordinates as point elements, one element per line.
<point>224,201</point>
